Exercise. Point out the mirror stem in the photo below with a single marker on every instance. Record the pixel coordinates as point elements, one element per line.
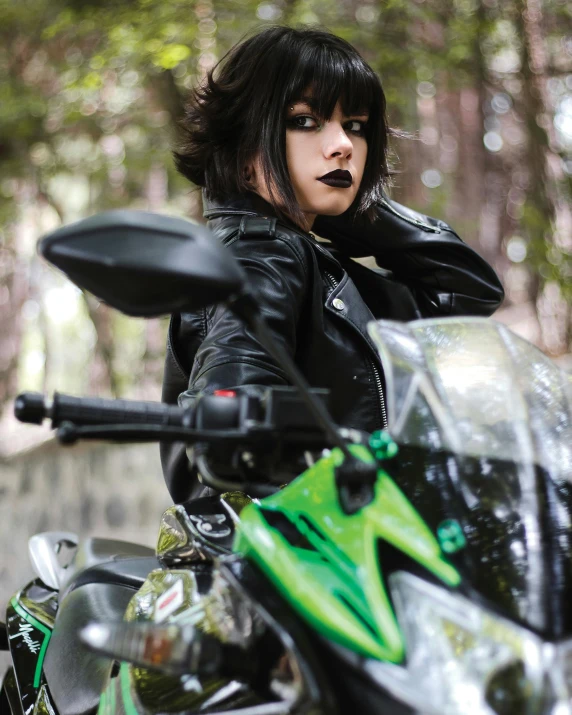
<point>247,309</point>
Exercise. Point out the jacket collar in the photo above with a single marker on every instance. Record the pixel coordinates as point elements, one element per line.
<point>218,214</point>
<point>247,204</point>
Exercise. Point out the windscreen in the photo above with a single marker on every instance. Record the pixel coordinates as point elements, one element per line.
<point>474,387</point>
<point>483,420</point>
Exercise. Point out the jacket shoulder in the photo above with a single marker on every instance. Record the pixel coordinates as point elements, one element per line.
<point>264,229</point>
<point>405,215</point>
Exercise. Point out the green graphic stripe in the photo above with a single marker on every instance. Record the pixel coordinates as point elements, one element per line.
<point>41,627</point>
<point>102,709</point>
<point>128,703</point>
<point>107,701</point>
<point>112,696</point>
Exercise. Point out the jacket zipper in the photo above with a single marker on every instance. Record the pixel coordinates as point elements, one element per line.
<point>334,284</point>
<point>377,377</point>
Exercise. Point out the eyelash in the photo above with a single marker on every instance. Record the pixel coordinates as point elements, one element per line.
<point>291,122</point>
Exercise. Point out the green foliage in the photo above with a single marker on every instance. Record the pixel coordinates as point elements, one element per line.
<point>92,92</point>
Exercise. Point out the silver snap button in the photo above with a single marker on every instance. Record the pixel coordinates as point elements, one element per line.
<point>338,304</point>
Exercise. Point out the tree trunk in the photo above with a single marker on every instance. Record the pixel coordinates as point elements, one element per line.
<point>103,377</point>
<point>14,288</point>
<point>543,203</point>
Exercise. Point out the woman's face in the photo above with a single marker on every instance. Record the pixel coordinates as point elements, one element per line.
<point>315,149</point>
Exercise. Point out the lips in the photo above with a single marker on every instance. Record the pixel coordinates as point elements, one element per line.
<point>339,179</point>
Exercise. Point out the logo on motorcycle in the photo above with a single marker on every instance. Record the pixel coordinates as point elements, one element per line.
<point>24,633</point>
<point>212,525</point>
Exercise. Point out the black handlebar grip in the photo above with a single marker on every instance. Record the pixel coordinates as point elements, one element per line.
<point>100,411</point>
<point>30,407</point>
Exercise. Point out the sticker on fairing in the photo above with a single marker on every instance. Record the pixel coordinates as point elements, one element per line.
<point>169,602</point>
<point>25,632</point>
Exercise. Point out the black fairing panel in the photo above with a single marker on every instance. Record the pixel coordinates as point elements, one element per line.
<point>518,556</point>
<point>105,576</point>
<point>76,677</point>
<point>95,551</point>
<point>130,573</point>
<point>10,703</point>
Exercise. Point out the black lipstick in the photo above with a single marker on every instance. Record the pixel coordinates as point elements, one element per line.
<point>339,179</point>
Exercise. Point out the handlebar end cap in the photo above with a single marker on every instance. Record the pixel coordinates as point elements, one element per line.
<point>30,407</point>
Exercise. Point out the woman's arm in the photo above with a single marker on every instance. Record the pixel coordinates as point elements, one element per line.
<point>230,355</point>
<point>223,353</point>
<point>446,276</point>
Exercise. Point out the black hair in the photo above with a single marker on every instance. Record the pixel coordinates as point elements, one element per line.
<point>240,112</point>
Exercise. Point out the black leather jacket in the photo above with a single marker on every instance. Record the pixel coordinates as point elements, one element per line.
<point>317,302</point>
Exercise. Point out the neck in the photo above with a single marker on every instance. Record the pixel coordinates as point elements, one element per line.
<point>309,222</point>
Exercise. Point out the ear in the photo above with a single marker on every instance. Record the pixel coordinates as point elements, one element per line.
<point>247,173</point>
<point>250,176</point>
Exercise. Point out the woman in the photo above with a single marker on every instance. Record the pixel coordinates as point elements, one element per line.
<point>288,135</point>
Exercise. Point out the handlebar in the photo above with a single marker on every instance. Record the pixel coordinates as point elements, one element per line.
<point>33,407</point>
<point>244,438</point>
<point>224,415</point>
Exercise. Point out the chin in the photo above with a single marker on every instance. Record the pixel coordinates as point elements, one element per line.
<point>331,207</point>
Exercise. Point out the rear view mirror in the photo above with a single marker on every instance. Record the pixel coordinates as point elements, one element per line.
<point>145,264</point>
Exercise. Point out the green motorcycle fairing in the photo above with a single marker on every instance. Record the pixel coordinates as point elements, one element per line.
<point>326,563</point>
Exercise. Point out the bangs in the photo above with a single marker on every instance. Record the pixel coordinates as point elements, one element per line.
<point>322,76</point>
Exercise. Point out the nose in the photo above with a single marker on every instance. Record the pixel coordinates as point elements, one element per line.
<point>336,141</point>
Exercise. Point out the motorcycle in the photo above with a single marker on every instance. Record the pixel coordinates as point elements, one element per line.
<point>425,568</point>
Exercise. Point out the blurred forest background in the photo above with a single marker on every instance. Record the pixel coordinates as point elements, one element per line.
<point>90,95</point>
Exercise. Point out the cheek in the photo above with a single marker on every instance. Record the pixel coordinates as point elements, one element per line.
<point>299,149</point>
<point>360,157</point>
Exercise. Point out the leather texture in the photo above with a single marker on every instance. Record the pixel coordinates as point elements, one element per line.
<point>317,302</point>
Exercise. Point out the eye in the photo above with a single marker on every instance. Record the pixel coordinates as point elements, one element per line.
<point>356,126</point>
<point>302,121</point>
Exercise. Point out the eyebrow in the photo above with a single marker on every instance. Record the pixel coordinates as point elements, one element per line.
<point>305,99</point>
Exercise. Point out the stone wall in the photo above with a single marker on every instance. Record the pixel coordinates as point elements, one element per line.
<point>92,489</point>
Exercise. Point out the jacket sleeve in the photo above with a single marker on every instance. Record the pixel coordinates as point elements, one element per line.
<point>446,276</point>
<point>224,353</point>
<point>227,353</point>
<point>230,355</point>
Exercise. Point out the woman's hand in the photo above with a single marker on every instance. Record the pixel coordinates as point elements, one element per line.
<point>446,276</point>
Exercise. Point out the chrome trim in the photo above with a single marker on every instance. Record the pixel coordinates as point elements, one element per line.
<point>43,550</point>
<point>191,539</point>
<point>43,609</point>
<point>223,694</point>
<point>176,543</point>
<point>43,704</point>
<point>266,709</point>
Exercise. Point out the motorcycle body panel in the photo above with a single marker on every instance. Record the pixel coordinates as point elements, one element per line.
<point>29,623</point>
<point>143,691</point>
<point>326,563</point>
